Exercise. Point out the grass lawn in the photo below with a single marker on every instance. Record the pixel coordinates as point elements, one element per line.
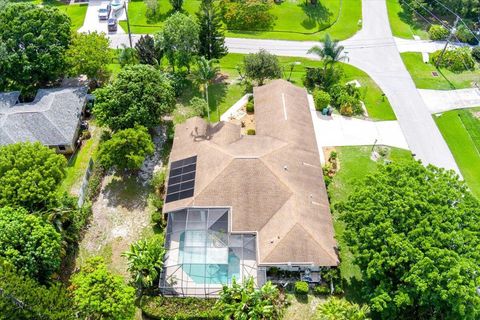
<point>378,106</point>
<point>302,308</point>
<point>446,80</point>
<point>355,165</point>
<point>294,19</point>
<point>402,24</point>
<point>461,131</point>
<point>78,163</point>
<point>76,12</point>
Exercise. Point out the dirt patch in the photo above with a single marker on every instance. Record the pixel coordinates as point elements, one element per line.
<point>120,215</point>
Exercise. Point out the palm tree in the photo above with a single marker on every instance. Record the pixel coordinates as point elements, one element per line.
<point>204,74</point>
<point>145,259</point>
<point>330,52</point>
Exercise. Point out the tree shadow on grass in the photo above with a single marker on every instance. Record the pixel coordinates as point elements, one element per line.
<point>318,16</point>
<point>301,298</point>
<point>125,191</point>
<point>217,93</point>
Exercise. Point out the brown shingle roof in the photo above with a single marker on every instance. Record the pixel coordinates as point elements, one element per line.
<point>272,181</point>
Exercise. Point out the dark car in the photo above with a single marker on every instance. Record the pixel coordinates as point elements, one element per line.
<point>112,25</point>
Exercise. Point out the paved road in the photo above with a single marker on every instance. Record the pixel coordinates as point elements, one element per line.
<point>374,50</point>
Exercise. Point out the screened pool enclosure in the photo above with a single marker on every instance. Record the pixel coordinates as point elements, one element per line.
<point>202,255</point>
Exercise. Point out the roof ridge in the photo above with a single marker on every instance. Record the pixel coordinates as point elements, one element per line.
<point>309,235</point>
<point>54,125</point>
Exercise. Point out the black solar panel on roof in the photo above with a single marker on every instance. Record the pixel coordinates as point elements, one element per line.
<point>181,180</point>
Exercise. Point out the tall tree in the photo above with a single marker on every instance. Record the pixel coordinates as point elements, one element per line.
<point>127,149</point>
<point>414,232</point>
<point>146,52</point>
<point>89,54</point>
<point>33,43</point>
<point>176,5</point>
<point>23,298</point>
<point>30,244</point>
<point>261,66</point>
<point>179,40</point>
<point>211,37</point>
<point>204,74</point>
<point>99,294</point>
<point>140,95</point>
<point>29,175</point>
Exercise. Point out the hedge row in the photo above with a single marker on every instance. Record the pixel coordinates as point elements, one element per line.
<point>173,308</point>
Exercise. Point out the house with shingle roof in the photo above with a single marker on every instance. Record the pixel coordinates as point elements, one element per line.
<point>237,205</point>
<point>53,118</point>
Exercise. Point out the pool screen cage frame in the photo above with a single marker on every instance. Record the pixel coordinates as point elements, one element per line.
<point>199,239</point>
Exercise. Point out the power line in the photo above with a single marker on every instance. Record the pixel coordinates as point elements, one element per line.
<point>458,16</point>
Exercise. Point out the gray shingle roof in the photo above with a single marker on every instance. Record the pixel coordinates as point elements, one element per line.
<point>52,118</point>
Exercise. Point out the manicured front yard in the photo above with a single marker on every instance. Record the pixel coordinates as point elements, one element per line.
<point>294,19</point>
<point>402,24</point>
<point>446,80</point>
<point>76,12</point>
<point>355,165</point>
<point>461,131</point>
<point>377,105</point>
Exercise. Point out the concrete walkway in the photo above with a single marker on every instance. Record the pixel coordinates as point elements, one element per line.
<point>92,23</point>
<point>444,100</point>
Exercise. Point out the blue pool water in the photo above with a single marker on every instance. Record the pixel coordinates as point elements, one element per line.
<point>205,273</point>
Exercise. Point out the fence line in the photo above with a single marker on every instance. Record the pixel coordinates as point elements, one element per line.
<point>84,188</point>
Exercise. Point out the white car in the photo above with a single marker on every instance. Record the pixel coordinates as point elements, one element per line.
<point>103,13</point>
<point>116,5</point>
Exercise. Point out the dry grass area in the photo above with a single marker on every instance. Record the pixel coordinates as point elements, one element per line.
<point>120,214</point>
<point>302,308</point>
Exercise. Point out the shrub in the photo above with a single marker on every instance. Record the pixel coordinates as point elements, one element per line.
<point>157,218</point>
<point>301,287</point>
<point>438,32</point>
<point>324,78</point>
<point>322,290</point>
<point>476,54</point>
<point>251,132</point>
<point>95,182</point>
<point>464,35</point>
<point>158,180</point>
<point>155,201</point>
<point>322,99</point>
<point>250,107</point>
<point>247,15</point>
<point>170,308</point>
<point>455,60</point>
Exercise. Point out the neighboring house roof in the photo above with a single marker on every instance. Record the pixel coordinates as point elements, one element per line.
<point>52,118</point>
<point>273,181</point>
<point>8,99</point>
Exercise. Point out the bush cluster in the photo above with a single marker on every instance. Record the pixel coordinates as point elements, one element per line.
<point>322,289</point>
<point>455,60</point>
<point>465,35</point>
<point>169,308</point>
<point>247,15</point>
<point>438,32</point>
<point>251,132</point>
<point>346,99</point>
<point>301,287</point>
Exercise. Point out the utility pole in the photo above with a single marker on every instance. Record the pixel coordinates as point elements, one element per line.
<point>452,33</point>
<point>128,24</point>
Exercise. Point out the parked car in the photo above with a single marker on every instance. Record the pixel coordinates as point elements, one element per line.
<point>103,13</point>
<point>112,25</point>
<point>117,5</point>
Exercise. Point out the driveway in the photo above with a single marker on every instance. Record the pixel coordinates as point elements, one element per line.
<point>445,100</point>
<point>92,23</point>
<point>336,130</point>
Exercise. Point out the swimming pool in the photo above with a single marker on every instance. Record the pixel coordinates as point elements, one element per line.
<point>204,248</point>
